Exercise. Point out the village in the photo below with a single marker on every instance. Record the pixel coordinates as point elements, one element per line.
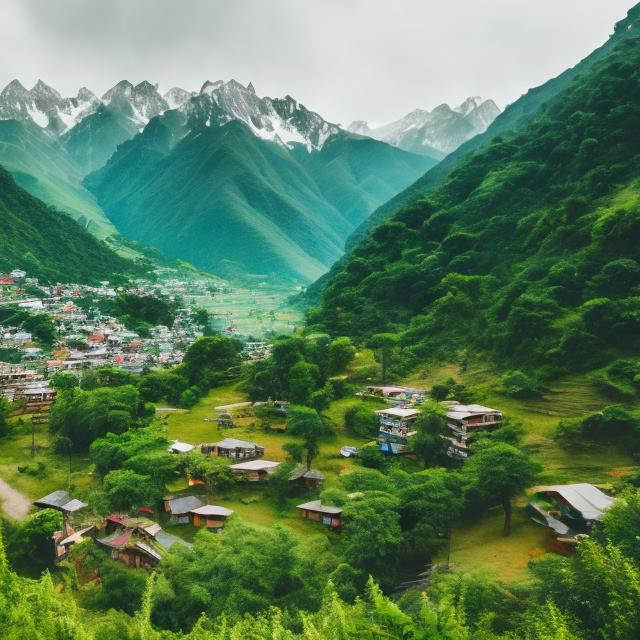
<point>142,538</point>
<point>87,339</point>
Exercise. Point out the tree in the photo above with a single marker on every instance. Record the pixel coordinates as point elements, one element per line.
<point>341,354</point>
<point>500,471</point>
<point>32,545</point>
<point>430,441</point>
<point>361,421</point>
<point>383,345</point>
<point>82,416</point>
<point>62,381</point>
<point>214,472</point>
<point>5,410</point>
<point>307,424</point>
<point>372,534</point>
<point>303,380</point>
<point>127,489</point>
<point>621,524</point>
<point>208,359</point>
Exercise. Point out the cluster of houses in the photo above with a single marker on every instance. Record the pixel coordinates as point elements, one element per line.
<point>85,337</point>
<point>397,421</point>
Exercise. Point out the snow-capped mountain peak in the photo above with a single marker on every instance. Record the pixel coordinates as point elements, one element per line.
<point>435,132</point>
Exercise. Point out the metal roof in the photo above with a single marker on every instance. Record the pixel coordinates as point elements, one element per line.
<point>583,497</point>
<point>461,411</point>
<point>254,465</point>
<point>183,505</point>
<point>316,505</point>
<point>212,510</point>
<point>234,443</point>
<point>60,500</point>
<point>398,413</point>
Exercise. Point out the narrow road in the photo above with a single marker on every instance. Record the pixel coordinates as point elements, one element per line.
<point>14,504</point>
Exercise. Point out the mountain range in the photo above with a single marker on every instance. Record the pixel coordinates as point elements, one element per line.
<point>264,183</point>
<point>434,133</point>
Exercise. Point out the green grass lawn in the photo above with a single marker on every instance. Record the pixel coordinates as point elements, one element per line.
<point>56,471</point>
<point>482,547</point>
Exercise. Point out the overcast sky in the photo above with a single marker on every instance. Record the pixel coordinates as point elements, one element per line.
<point>346,59</point>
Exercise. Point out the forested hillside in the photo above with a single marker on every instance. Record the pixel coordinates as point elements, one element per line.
<point>41,165</point>
<point>510,120</point>
<point>209,194</point>
<point>49,245</point>
<point>529,251</point>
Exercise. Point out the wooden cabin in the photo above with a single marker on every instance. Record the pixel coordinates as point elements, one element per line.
<point>233,449</point>
<point>179,508</point>
<point>210,516</point>
<point>316,511</point>
<point>60,501</point>
<point>254,470</point>
<point>311,479</point>
<point>126,547</point>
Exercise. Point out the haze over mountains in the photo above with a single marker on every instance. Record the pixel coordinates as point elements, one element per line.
<point>222,177</point>
<point>434,133</point>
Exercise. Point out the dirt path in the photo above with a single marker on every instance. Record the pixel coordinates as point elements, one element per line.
<point>14,504</point>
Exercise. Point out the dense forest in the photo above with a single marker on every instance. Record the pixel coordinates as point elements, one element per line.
<point>528,252</point>
<point>49,245</point>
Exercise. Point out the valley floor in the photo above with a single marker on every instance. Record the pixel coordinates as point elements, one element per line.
<point>478,546</point>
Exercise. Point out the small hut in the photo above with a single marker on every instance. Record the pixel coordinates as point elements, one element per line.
<point>210,516</point>
<point>254,470</point>
<point>179,508</point>
<point>315,510</point>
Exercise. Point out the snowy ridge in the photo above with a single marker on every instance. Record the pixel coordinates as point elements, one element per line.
<point>442,130</point>
<point>280,120</point>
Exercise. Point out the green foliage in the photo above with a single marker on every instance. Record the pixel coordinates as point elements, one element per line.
<point>126,489</point>
<point>30,547</point>
<point>82,416</point>
<point>497,472</point>
<point>208,359</point>
<point>518,384</point>
<point>612,424</point>
<point>307,424</point>
<point>361,421</point>
<point>214,472</point>
<point>39,325</point>
<point>429,442</point>
<point>524,252</point>
<point>140,313</point>
<point>50,245</point>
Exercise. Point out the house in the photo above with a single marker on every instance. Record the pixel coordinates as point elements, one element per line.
<point>464,420</point>
<point>179,508</point>
<point>234,449</point>
<point>60,501</point>
<point>180,447</point>
<point>311,479</point>
<point>65,539</point>
<point>128,548</point>
<point>569,511</point>
<point>254,470</point>
<point>18,274</point>
<point>210,516</point>
<point>395,428</point>
<point>315,510</point>
<point>37,396</point>
<point>397,421</point>
<point>397,394</point>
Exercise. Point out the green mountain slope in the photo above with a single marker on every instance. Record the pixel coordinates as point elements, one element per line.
<point>48,244</point>
<point>212,194</point>
<point>41,166</point>
<point>513,117</point>
<point>94,139</point>
<point>529,251</point>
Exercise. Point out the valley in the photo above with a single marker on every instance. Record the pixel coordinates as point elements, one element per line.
<point>265,375</point>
